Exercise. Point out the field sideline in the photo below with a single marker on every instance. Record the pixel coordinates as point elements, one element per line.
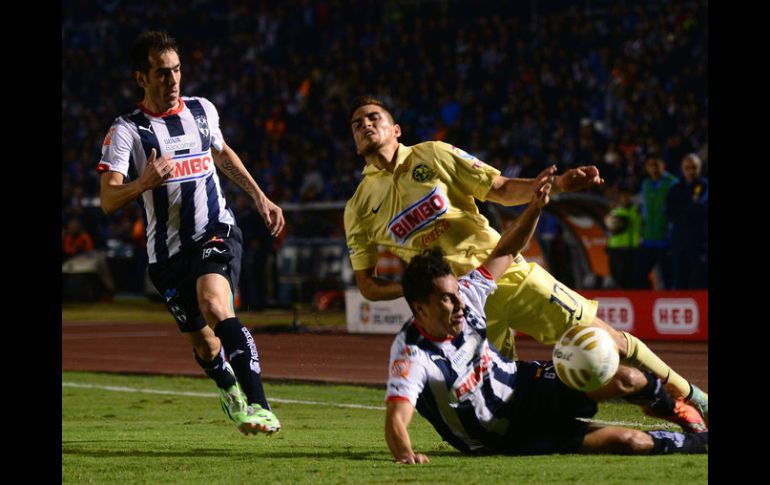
<point>160,429</point>
<point>123,427</point>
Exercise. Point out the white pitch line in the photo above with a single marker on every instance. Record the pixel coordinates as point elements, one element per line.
<point>211,394</point>
<point>320,403</point>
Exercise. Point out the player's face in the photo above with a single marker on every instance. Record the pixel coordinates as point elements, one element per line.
<point>443,315</point>
<point>161,83</point>
<point>373,129</point>
<point>654,168</point>
<point>690,169</point>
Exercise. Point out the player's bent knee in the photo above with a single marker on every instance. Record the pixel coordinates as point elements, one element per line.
<point>631,441</point>
<point>213,309</point>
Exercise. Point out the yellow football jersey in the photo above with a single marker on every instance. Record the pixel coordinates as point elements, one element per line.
<point>427,201</point>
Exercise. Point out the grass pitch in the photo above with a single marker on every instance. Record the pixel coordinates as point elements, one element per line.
<point>146,429</point>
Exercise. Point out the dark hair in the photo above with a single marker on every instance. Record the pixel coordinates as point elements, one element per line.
<point>147,42</point>
<point>366,99</point>
<point>420,272</point>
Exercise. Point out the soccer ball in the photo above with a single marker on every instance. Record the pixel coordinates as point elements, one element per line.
<point>586,358</point>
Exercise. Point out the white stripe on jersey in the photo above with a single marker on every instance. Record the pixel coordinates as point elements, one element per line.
<point>417,367</point>
<point>187,136</point>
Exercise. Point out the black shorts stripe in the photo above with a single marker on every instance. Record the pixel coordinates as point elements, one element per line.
<point>160,203</point>
<point>160,195</point>
<point>212,202</point>
<point>187,214</point>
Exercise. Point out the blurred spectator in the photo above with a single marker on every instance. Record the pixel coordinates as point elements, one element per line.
<point>312,185</point>
<point>86,275</point>
<point>75,240</point>
<point>655,250</point>
<point>624,223</point>
<point>687,209</point>
<point>566,85</point>
<point>545,90</point>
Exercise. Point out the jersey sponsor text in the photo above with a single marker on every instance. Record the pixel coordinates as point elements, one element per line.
<point>418,215</point>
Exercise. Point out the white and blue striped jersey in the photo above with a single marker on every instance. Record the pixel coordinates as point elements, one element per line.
<point>178,212</point>
<point>461,385</point>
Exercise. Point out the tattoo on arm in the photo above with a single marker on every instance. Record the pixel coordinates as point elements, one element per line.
<point>238,176</point>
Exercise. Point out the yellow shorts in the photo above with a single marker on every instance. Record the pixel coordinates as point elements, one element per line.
<point>529,299</point>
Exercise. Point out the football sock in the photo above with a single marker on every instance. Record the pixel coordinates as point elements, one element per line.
<point>244,359</point>
<point>216,369</point>
<point>654,396</point>
<point>666,442</point>
<point>640,355</point>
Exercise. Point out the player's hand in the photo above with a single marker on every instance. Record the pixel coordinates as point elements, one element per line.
<point>545,176</point>
<point>578,178</point>
<point>542,195</point>
<point>156,171</point>
<point>273,216</point>
<point>414,459</point>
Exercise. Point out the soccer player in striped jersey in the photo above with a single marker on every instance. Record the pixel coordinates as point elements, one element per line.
<point>169,147</point>
<point>416,197</point>
<point>442,364</point>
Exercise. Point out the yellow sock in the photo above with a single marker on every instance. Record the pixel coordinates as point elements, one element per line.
<point>640,355</point>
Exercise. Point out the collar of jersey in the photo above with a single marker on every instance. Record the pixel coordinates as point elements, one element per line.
<point>430,337</point>
<point>403,152</point>
<point>165,113</point>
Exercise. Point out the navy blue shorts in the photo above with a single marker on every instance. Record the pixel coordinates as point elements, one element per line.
<point>218,251</point>
<point>543,413</point>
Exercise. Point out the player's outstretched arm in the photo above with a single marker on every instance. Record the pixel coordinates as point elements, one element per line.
<point>114,194</point>
<point>579,178</point>
<point>375,289</point>
<point>397,418</point>
<point>231,165</point>
<point>516,237</point>
<point>508,191</point>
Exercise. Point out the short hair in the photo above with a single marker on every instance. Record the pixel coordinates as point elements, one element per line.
<point>367,99</point>
<point>695,159</point>
<point>147,42</point>
<point>419,274</point>
<point>656,160</point>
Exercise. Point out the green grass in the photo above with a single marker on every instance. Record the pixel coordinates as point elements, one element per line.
<point>130,437</point>
<point>147,311</point>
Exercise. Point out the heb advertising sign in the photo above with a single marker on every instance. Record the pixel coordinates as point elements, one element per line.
<point>655,315</point>
<point>365,316</point>
<point>649,315</point>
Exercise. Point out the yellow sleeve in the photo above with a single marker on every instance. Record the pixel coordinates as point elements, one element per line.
<point>467,173</point>
<point>361,249</point>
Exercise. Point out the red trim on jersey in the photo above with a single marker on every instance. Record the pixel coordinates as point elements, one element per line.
<point>102,167</point>
<point>170,112</point>
<point>431,337</point>
<point>397,398</point>
<point>485,272</point>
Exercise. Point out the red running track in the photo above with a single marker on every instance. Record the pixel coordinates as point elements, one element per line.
<point>314,356</point>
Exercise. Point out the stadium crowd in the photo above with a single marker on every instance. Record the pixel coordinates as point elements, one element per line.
<point>521,85</point>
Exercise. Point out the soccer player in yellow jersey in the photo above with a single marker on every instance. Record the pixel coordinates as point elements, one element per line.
<point>413,198</point>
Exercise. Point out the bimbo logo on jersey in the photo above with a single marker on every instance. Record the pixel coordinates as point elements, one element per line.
<point>191,167</point>
<point>676,316</point>
<point>418,215</point>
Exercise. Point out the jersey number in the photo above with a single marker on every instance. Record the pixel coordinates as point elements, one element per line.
<point>565,300</point>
